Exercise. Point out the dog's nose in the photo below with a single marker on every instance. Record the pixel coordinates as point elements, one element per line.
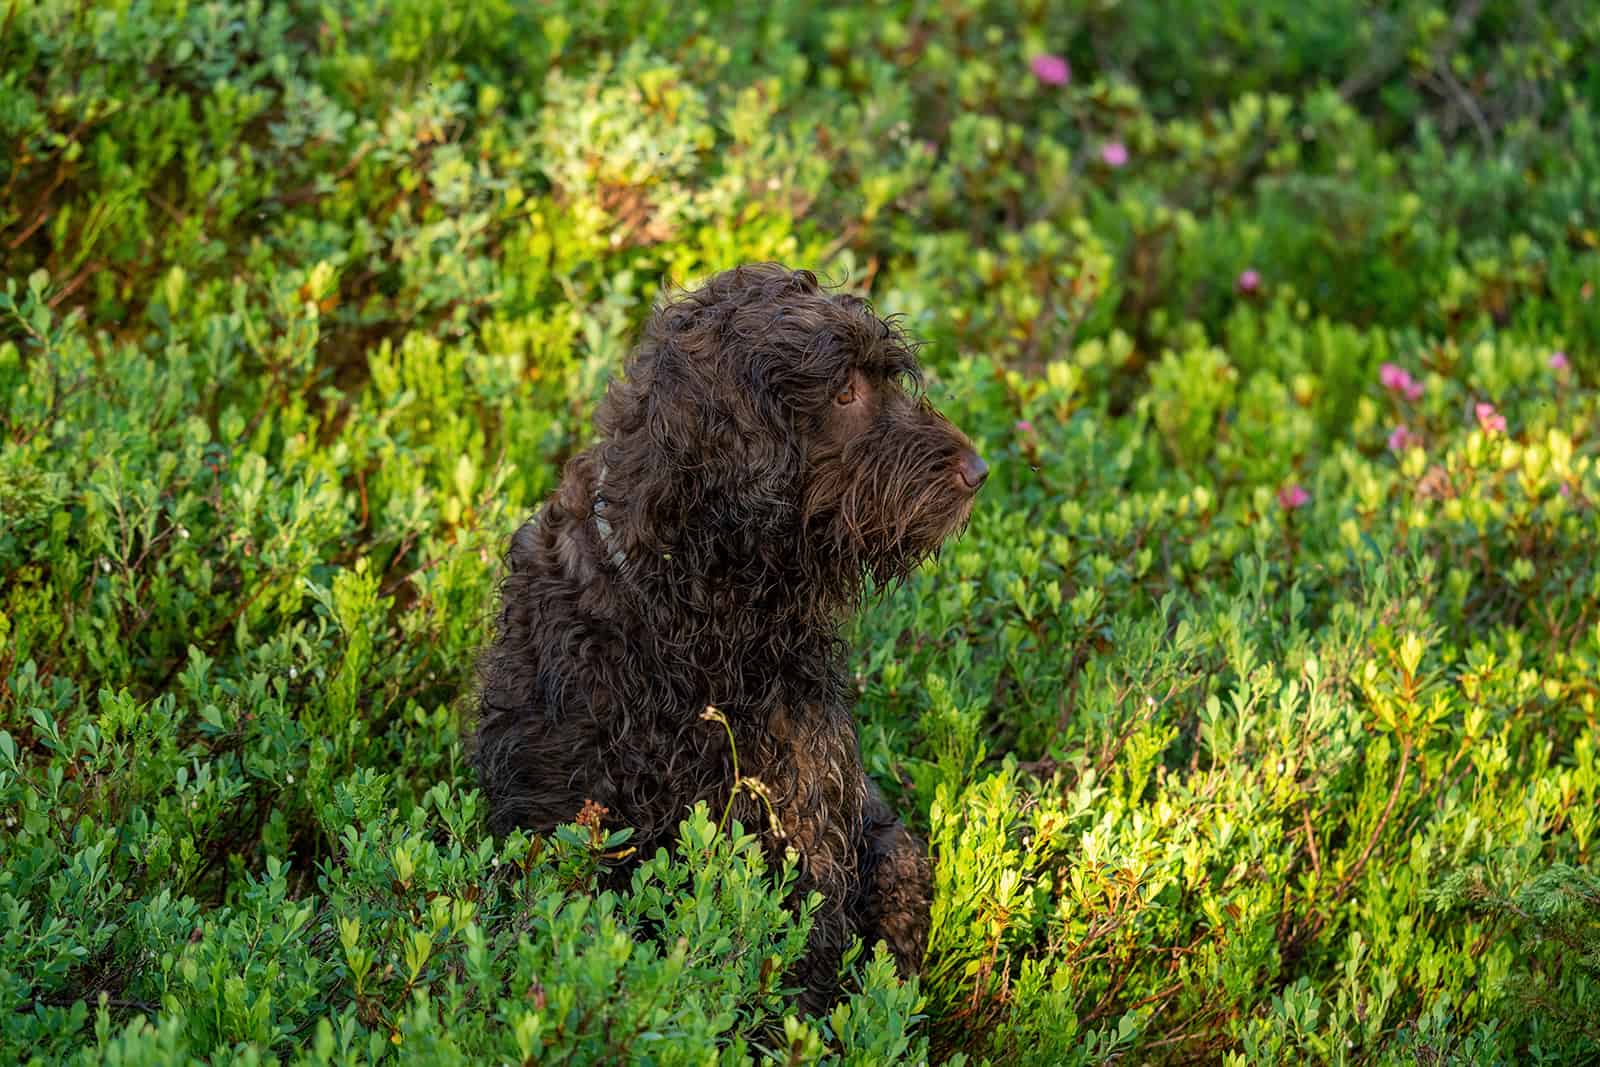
<point>973,470</point>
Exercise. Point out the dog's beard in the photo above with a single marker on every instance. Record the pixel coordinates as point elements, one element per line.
<point>883,502</point>
<point>889,526</point>
<point>929,527</point>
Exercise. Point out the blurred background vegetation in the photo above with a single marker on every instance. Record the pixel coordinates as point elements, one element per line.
<point>1253,721</point>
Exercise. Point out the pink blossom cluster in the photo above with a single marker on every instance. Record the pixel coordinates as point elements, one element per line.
<point>1051,70</point>
<point>1490,419</point>
<point>1398,380</point>
<point>1401,438</point>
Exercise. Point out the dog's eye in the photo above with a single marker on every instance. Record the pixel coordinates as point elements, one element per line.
<point>846,395</point>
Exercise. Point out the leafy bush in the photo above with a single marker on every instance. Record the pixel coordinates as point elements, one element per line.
<point>1254,719</point>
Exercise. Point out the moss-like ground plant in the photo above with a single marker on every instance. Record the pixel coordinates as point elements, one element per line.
<point>1253,721</point>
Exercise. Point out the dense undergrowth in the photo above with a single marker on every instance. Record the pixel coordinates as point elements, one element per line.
<point>1254,719</point>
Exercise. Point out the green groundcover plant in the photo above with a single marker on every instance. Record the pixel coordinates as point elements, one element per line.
<point>1254,720</point>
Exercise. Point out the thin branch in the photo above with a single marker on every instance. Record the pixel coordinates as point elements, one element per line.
<point>1383,820</point>
<point>1311,842</point>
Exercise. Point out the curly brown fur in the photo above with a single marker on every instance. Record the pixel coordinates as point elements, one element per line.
<point>767,450</point>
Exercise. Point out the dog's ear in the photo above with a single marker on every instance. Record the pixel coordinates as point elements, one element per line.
<point>715,426</point>
<point>692,438</point>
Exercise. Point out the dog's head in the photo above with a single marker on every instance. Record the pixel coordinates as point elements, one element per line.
<point>772,415</point>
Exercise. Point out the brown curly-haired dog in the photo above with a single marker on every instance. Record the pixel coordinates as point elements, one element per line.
<point>767,450</point>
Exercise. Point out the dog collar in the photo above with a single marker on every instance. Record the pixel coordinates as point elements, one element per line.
<point>602,525</point>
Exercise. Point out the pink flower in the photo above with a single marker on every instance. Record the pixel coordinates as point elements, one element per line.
<point>1114,154</point>
<point>1399,380</point>
<point>1052,70</point>
<point>1401,438</point>
<point>1024,426</point>
<point>1249,280</point>
<point>1559,362</point>
<point>1491,420</point>
<point>1292,496</point>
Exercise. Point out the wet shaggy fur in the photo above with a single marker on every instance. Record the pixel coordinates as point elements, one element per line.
<point>768,449</point>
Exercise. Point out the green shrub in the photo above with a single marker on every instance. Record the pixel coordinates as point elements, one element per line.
<point>1254,720</point>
